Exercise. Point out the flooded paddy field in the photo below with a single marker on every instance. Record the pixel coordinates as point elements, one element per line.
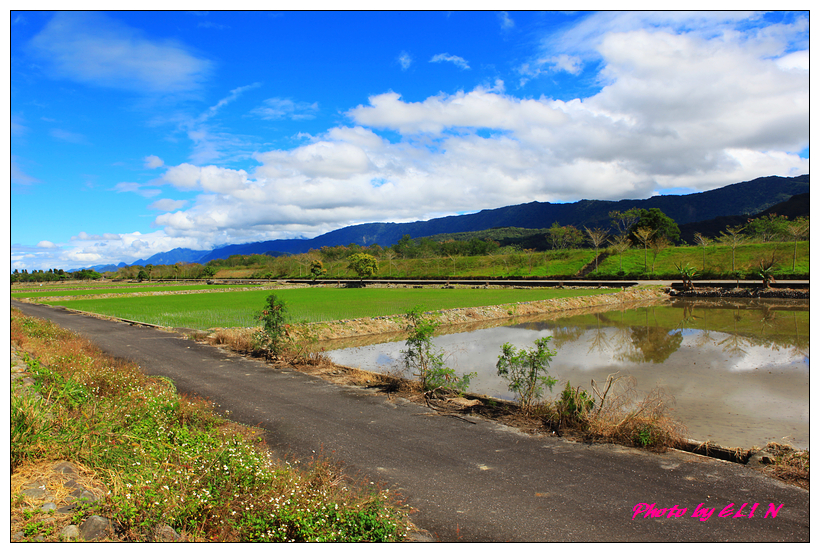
<point>738,370</point>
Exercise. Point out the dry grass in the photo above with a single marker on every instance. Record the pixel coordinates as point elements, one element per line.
<point>240,340</point>
<point>623,418</point>
<point>791,465</point>
<point>26,512</point>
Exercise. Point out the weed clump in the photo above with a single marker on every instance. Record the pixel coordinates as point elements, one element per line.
<point>790,465</point>
<point>240,340</point>
<point>274,336</point>
<point>624,419</point>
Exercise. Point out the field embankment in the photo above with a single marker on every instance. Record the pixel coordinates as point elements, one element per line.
<point>492,314</point>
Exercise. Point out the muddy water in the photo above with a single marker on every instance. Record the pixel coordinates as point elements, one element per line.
<point>738,370</point>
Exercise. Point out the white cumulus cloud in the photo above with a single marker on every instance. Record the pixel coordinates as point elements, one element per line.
<point>670,114</point>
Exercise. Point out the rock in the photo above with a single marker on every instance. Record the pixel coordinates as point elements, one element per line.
<point>70,532</point>
<point>87,497</point>
<point>35,492</point>
<point>94,527</point>
<point>165,534</point>
<point>761,459</point>
<point>64,467</point>
<point>48,507</point>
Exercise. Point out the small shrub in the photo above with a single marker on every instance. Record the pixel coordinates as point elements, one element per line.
<point>274,336</point>
<point>424,361</point>
<point>526,371</point>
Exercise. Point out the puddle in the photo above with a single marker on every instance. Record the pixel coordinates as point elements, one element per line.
<point>738,369</point>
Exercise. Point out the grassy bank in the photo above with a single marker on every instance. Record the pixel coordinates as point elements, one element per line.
<point>163,459</point>
<point>240,309</point>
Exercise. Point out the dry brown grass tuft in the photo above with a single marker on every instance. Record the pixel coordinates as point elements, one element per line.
<point>791,465</point>
<point>58,485</point>
<point>621,418</point>
<point>237,339</point>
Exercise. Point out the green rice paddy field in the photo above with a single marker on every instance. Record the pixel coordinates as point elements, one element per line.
<point>80,290</point>
<point>240,309</point>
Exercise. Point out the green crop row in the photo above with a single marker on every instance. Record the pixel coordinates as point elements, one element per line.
<point>51,290</point>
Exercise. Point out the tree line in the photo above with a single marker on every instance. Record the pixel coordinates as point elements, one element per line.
<point>53,275</point>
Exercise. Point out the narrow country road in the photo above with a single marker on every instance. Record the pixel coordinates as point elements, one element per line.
<point>470,482</point>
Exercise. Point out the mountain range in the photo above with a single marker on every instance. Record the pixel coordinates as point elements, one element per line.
<point>705,212</point>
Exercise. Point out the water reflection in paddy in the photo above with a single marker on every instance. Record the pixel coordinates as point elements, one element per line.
<point>738,370</point>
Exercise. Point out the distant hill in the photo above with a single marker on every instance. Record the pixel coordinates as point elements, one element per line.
<point>796,206</point>
<point>736,202</point>
<point>173,256</point>
<point>745,199</point>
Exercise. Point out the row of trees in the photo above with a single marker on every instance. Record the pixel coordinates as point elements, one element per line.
<point>53,275</point>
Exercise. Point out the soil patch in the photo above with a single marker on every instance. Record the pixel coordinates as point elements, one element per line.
<point>784,293</point>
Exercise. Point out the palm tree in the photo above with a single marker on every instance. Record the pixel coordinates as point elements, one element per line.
<point>702,241</point>
<point>620,244</point>
<point>598,237</point>
<point>644,235</point>
<point>797,229</point>
<point>732,237</point>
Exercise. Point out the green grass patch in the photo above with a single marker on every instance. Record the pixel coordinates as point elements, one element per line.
<point>716,263</point>
<point>240,309</point>
<point>45,291</point>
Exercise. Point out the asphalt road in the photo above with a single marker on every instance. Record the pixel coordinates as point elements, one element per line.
<point>468,482</point>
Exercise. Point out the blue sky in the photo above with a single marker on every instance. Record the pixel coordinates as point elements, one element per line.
<point>134,133</point>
